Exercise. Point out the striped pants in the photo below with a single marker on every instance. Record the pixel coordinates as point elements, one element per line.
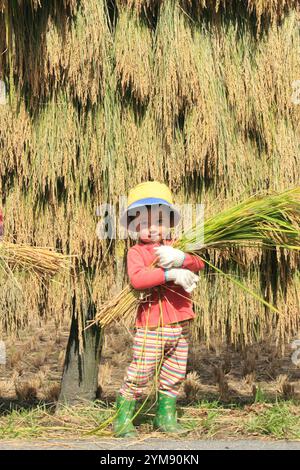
<point>159,354</point>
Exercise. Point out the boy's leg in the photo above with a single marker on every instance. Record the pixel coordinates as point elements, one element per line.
<point>172,374</point>
<point>147,353</point>
<point>173,369</point>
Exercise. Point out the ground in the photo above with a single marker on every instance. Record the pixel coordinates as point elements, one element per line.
<point>149,444</point>
<point>228,393</point>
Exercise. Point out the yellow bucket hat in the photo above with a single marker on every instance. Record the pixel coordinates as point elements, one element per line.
<point>150,193</point>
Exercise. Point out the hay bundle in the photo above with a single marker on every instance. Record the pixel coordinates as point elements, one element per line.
<point>34,260</point>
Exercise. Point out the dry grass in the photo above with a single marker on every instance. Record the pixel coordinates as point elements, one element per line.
<point>206,420</point>
<point>192,386</point>
<point>52,393</point>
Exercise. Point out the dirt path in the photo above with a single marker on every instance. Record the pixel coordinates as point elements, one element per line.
<point>149,444</point>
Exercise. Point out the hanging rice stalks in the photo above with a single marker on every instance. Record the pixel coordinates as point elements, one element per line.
<point>96,97</point>
<point>268,221</point>
<point>134,61</point>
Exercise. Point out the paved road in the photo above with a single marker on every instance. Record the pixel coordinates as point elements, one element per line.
<point>149,444</point>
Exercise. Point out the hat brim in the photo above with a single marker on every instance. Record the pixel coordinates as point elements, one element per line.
<point>150,202</point>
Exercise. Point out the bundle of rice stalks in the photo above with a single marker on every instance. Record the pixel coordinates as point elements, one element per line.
<point>270,221</point>
<point>263,221</point>
<point>34,260</point>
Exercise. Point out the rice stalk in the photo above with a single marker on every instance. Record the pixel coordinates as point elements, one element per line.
<point>36,260</point>
<point>133,52</point>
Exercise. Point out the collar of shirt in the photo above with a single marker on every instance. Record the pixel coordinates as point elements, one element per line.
<point>150,246</point>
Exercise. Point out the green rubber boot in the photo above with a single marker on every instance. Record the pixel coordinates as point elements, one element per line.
<point>165,419</point>
<point>122,425</point>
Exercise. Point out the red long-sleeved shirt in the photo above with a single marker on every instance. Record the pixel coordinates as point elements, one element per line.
<point>176,303</point>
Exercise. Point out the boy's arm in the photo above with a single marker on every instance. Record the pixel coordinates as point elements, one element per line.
<point>141,276</point>
<point>193,263</point>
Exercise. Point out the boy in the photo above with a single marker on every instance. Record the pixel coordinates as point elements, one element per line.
<point>162,323</point>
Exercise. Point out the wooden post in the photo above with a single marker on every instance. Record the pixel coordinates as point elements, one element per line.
<point>80,375</point>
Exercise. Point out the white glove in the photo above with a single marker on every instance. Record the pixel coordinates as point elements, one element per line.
<point>169,257</point>
<point>185,278</point>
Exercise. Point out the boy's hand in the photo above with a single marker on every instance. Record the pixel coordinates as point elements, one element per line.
<point>185,278</point>
<point>169,257</point>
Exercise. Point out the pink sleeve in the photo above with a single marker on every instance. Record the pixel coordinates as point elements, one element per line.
<point>141,276</point>
<point>193,263</point>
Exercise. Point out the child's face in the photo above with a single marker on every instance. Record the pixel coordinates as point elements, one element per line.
<point>153,224</point>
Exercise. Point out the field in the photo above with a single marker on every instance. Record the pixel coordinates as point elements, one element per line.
<point>227,393</point>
